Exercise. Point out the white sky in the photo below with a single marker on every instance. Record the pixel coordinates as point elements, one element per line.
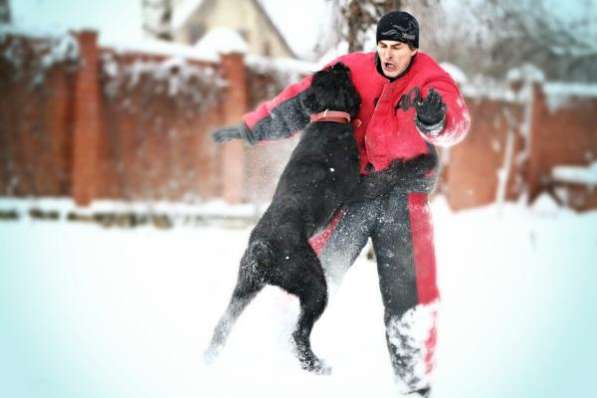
<point>115,19</point>
<point>119,20</point>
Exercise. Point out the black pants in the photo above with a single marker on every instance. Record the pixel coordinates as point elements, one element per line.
<point>399,226</point>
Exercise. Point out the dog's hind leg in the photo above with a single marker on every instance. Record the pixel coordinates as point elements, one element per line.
<point>245,291</point>
<point>313,300</point>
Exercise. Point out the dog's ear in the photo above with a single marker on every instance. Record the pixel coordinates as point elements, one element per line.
<point>312,98</point>
<point>354,103</point>
<point>309,102</point>
<point>340,67</point>
<point>347,92</point>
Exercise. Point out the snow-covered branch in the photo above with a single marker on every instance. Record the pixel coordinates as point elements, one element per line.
<point>157,18</point>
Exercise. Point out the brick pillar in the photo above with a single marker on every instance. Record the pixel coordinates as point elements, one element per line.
<point>57,122</point>
<point>86,121</point>
<point>534,166</point>
<point>235,106</point>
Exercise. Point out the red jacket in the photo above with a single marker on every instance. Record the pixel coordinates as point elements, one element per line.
<point>388,131</point>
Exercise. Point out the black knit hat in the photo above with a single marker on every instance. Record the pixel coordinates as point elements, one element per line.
<point>398,26</point>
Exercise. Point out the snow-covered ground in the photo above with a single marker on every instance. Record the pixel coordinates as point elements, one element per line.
<point>93,312</point>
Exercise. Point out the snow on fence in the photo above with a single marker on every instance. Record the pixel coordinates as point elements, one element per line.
<point>33,58</point>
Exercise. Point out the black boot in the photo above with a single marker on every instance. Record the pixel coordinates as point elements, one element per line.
<point>422,393</point>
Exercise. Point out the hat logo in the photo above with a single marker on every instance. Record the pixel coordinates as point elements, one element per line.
<point>400,32</point>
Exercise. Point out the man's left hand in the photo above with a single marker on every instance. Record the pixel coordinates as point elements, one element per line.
<point>431,113</point>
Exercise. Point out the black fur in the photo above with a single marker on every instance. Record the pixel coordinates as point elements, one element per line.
<point>410,175</point>
<point>321,175</point>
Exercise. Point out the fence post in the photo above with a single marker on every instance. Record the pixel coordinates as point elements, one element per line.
<point>235,106</point>
<point>534,175</point>
<point>57,119</point>
<point>86,121</point>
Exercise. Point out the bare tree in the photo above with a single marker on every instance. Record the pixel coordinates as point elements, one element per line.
<point>452,32</point>
<point>355,20</point>
<point>157,18</point>
<point>4,12</point>
<point>532,32</point>
<point>509,33</point>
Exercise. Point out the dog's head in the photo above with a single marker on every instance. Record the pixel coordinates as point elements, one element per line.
<point>332,89</point>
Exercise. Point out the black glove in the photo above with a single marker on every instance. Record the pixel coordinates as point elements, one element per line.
<point>431,113</point>
<point>237,132</point>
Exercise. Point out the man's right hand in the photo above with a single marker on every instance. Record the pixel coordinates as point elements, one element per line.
<point>229,133</point>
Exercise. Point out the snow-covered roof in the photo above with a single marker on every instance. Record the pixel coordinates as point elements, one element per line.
<point>222,40</point>
<point>186,8</point>
<point>160,47</point>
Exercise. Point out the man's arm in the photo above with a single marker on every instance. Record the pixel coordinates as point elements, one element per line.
<point>442,117</point>
<point>277,118</point>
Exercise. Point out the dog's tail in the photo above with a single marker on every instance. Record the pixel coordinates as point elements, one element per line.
<point>262,254</point>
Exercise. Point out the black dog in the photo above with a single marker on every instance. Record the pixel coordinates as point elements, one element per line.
<point>321,175</point>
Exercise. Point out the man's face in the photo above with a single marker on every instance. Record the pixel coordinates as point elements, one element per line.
<point>395,57</point>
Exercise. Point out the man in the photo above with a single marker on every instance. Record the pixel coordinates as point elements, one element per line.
<point>408,105</point>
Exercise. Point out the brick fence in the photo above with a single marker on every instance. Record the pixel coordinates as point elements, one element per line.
<point>121,125</point>
<point>90,122</point>
<point>519,134</point>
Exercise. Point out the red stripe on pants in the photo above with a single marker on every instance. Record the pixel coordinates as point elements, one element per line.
<point>318,241</point>
<point>424,258</point>
<point>423,252</point>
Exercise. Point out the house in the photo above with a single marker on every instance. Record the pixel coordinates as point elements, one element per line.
<point>192,19</point>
